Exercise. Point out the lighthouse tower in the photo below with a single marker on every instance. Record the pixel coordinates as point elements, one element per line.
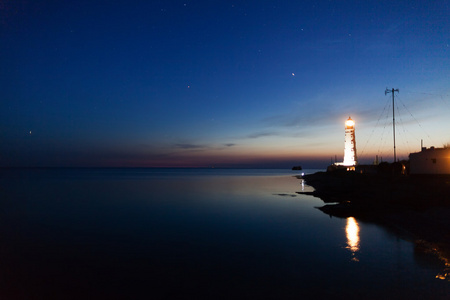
<point>350,144</point>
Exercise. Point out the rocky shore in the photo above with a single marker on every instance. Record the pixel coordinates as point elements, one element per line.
<point>415,207</point>
<point>418,191</point>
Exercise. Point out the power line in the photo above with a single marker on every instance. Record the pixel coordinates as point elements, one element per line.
<point>412,116</point>
<point>373,130</point>
<point>392,91</point>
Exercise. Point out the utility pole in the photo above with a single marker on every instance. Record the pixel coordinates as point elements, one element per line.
<point>392,91</point>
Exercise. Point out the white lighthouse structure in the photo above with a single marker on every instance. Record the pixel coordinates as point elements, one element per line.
<point>350,159</point>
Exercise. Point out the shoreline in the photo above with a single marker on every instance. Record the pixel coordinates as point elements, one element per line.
<point>417,208</point>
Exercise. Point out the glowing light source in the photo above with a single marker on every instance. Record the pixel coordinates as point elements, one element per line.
<point>352,233</point>
<point>350,144</point>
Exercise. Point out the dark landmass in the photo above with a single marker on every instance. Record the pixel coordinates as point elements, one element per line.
<point>417,207</point>
<point>413,191</point>
<point>297,168</point>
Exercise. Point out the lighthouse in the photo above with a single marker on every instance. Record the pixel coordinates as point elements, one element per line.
<point>350,144</point>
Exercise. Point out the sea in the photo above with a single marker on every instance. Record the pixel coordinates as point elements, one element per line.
<point>144,233</point>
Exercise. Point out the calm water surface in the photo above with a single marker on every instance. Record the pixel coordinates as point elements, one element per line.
<point>167,233</point>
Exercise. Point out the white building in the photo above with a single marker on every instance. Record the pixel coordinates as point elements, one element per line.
<point>350,159</point>
<point>430,161</point>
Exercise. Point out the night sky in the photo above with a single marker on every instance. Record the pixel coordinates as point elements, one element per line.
<point>219,83</point>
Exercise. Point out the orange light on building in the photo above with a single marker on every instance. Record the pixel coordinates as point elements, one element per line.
<point>349,123</point>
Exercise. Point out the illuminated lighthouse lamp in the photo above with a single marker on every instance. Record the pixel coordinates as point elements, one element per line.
<point>349,123</point>
<point>350,145</point>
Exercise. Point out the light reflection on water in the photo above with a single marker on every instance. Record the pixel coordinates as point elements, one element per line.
<point>352,233</point>
<point>186,234</point>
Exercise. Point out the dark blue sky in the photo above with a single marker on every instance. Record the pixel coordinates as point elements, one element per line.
<point>203,83</point>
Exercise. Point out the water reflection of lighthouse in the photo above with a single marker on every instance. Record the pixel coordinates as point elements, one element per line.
<point>352,233</point>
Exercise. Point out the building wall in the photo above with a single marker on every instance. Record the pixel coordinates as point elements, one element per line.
<point>350,144</point>
<point>430,161</point>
